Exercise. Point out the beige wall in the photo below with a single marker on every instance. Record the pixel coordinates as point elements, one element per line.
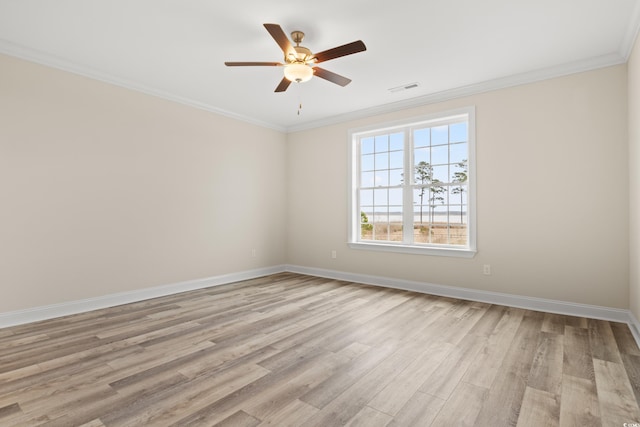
<point>105,190</point>
<point>634,178</point>
<point>552,182</point>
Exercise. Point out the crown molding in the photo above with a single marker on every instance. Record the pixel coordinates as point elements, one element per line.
<point>43,58</point>
<point>474,89</point>
<point>631,34</point>
<point>52,61</point>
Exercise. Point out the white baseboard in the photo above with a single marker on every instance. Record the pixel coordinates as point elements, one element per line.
<point>634,325</point>
<point>36,314</point>
<point>531,303</point>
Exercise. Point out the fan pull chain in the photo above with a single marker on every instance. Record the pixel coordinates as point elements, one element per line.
<point>299,89</point>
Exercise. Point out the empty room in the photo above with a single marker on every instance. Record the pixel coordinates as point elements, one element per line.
<point>320,214</point>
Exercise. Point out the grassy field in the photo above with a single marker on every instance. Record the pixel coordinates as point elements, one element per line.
<point>425,233</point>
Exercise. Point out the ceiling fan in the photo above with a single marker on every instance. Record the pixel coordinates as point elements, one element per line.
<point>299,62</point>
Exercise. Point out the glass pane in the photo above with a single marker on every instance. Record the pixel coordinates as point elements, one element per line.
<point>382,178</point>
<point>366,227</point>
<point>396,159</point>
<point>440,214</point>
<point>421,216</point>
<point>441,173</point>
<point>458,194</point>
<point>381,232</point>
<point>366,214</point>
<point>421,138</point>
<point>458,234</point>
<point>421,233</point>
<point>395,231</point>
<point>440,155</point>
<point>421,155</point>
<point>366,145</point>
<point>395,177</point>
<point>439,135</point>
<point>366,163</point>
<point>421,196</point>
<point>380,197</point>
<point>457,214</point>
<point>437,196</point>
<point>439,226</point>
<point>397,141</point>
<point>382,161</point>
<point>458,152</point>
<point>459,172</point>
<point>458,132</point>
<point>367,179</point>
<point>382,143</point>
<point>366,197</point>
<point>381,216</point>
<point>422,173</point>
<point>395,197</point>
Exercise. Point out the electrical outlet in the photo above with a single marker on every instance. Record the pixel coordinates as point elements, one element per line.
<point>334,254</point>
<point>486,270</point>
<point>253,253</point>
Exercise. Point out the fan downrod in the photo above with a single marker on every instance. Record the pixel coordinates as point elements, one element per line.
<point>297,37</point>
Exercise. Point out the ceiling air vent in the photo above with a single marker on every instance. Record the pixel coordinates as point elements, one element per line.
<point>404,87</point>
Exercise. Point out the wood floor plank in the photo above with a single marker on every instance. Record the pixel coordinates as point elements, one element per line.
<point>346,376</point>
<point>395,396</point>
<point>546,369</point>
<point>369,417</point>
<point>445,379</point>
<point>631,364</point>
<point>343,407</point>
<point>293,414</point>
<point>507,390</point>
<point>602,341</point>
<point>296,350</point>
<point>624,339</point>
<point>238,419</point>
<point>615,395</point>
<point>420,410</point>
<point>281,393</point>
<point>577,358</point>
<point>488,362</point>
<point>539,408</point>
<point>579,403</point>
<point>553,323</point>
<point>463,407</point>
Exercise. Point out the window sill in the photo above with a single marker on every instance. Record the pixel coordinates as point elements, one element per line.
<point>417,250</point>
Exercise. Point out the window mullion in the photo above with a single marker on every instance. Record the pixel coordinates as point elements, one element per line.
<point>407,189</point>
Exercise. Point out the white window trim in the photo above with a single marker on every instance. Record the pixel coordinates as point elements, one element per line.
<point>440,250</point>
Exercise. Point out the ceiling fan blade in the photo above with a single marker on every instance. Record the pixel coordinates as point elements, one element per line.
<point>281,38</point>
<point>337,52</point>
<point>252,64</point>
<point>284,84</point>
<point>331,76</point>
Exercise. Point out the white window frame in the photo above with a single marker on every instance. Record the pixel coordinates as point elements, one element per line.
<point>354,230</point>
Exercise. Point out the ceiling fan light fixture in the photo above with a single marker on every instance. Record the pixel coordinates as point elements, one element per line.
<point>298,72</point>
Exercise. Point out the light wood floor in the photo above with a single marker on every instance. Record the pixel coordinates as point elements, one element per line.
<point>293,350</point>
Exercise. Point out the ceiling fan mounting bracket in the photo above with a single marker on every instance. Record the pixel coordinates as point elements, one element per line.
<point>297,36</point>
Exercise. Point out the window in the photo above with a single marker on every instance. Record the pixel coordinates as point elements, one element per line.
<point>413,185</point>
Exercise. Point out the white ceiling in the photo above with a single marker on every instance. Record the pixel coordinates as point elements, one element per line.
<point>175,49</point>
